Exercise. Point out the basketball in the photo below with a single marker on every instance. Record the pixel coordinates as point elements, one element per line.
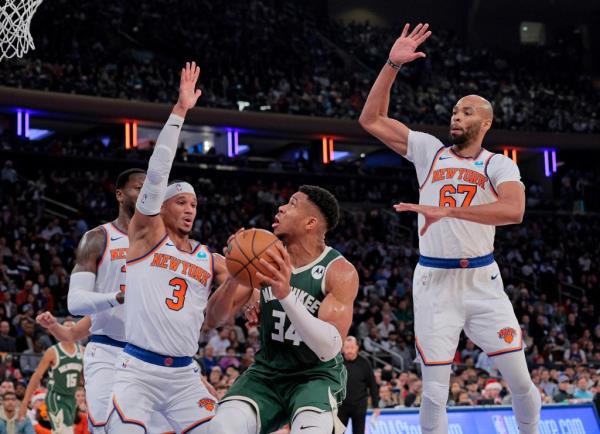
<point>244,254</point>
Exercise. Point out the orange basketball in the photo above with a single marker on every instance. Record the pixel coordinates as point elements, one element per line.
<point>244,253</point>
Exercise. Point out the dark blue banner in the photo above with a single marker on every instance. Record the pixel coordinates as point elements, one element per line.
<point>556,419</point>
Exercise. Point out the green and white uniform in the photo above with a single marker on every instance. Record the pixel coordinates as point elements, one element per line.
<point>287,376</point>
<point>64,378</point>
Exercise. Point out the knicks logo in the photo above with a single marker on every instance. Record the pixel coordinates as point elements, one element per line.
<point>508,334</point>
<point>207,403</point>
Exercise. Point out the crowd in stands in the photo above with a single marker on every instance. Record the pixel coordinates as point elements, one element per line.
<point>278,59</point>
<point>549,265</point>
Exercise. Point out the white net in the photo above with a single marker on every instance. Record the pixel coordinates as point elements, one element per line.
<point>15,19</point>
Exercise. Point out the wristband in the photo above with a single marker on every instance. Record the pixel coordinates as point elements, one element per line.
<point>393,65</point>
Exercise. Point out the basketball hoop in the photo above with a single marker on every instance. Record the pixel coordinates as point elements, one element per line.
<point>15,19</point>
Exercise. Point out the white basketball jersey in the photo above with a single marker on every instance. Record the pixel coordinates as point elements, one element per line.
<point>446,179</point>
<point>167,292</point>
<point>109,279</point>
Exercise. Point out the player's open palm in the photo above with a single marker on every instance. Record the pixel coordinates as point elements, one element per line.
<point>404,49</point>
<point>188,94</point>
<point>432,214</point>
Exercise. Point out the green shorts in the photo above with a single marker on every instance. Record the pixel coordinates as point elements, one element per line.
<point>279,397</point>
<point>61,410</point>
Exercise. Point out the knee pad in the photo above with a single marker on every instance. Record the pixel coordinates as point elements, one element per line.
<point>312,422</point>
<point>234,417</point>
<point>436,392</point>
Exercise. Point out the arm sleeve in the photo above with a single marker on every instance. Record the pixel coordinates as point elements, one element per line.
<point>502,169</point>
<point>320,336</point>
<point>82,300</point>
<point>153,191</point>
<point>373,387</point>
<point>422,149</point>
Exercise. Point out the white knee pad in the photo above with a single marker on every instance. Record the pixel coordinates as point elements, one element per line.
<point>312,422</point>
<point>436,392</point>
<point>432,415</point>
<point>234,417</point>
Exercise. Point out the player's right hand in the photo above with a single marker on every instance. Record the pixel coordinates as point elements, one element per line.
<point>404,49</point>
<point>46,320</point>
<point>188,94</point>
<point>230,239</point>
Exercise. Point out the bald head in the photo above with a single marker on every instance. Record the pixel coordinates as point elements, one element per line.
<point>481,105</point>
<point>472,117</point>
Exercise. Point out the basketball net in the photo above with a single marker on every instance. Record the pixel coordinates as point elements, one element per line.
<point>15,19</point>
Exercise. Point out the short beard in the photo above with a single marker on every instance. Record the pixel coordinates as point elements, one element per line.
<point>467,135</point>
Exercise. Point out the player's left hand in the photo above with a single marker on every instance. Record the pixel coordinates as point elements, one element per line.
<point>280,282</point>
<point>432,214</point>
<point>188,94</point>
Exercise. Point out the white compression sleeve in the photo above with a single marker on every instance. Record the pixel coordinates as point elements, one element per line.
<point>320,336</point>
<point>153,191</point>
<point>82,300</point>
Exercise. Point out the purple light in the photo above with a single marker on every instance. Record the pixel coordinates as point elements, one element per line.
<point>19,127</point>
<point>554,160</point>
<point>26,124</point>
<point>229,144</point>
<point>546,164</point>
<point>236,143</point>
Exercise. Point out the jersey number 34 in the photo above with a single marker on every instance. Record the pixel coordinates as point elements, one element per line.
<point>279,325</point>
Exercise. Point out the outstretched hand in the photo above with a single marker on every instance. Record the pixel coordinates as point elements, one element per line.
<point>432,214</point>
<point>404,49</point>
<point>188,94</point>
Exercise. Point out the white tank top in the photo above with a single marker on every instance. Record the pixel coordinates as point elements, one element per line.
<point>167,292</point>
<point>109,279</point>
<point>446,179</point>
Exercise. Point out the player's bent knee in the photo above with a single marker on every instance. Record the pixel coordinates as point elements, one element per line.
<point>234,417</point>
<point>436,392</point>
<point>312,422</point>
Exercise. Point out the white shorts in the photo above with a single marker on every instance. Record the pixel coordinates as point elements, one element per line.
<point>141,389</point>
<point>99,365</point>
<point>447,301</point>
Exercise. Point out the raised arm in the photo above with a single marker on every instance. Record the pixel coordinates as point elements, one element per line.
<point>228,299</point>
<point>323,335</point>
<point>147,228</point>
<point>374,117</point>
<point>82,300</point>
<point>35,380</point>
<point>80,330</point>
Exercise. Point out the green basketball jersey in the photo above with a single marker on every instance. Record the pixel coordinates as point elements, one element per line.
<point>65,375</point>
<point>282,349</point>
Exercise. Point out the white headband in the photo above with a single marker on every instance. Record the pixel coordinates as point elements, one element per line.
<point>178,188</point>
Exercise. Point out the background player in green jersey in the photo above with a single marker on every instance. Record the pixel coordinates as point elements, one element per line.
<point>305,314</point>
<point>64,363</point>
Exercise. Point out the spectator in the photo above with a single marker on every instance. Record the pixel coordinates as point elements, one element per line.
<point>31,358</point>
<point>7,342</point>
<point>550,388</point>
<point>230,359</point>
<point>563,393</point>
<point>574,355</point>
<point>208,359</point>
<point>220,342</point>
<point>582,391</point>
<point>8,419</point>
<point>360,385</point>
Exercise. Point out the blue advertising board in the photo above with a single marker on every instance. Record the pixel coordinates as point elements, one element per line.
<point>556,419</point>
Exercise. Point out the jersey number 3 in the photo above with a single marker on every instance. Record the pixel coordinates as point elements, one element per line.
<point>447,191</point>
<point>180,287</point>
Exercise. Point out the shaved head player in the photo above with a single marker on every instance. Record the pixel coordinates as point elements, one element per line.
<point>465,192</point>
